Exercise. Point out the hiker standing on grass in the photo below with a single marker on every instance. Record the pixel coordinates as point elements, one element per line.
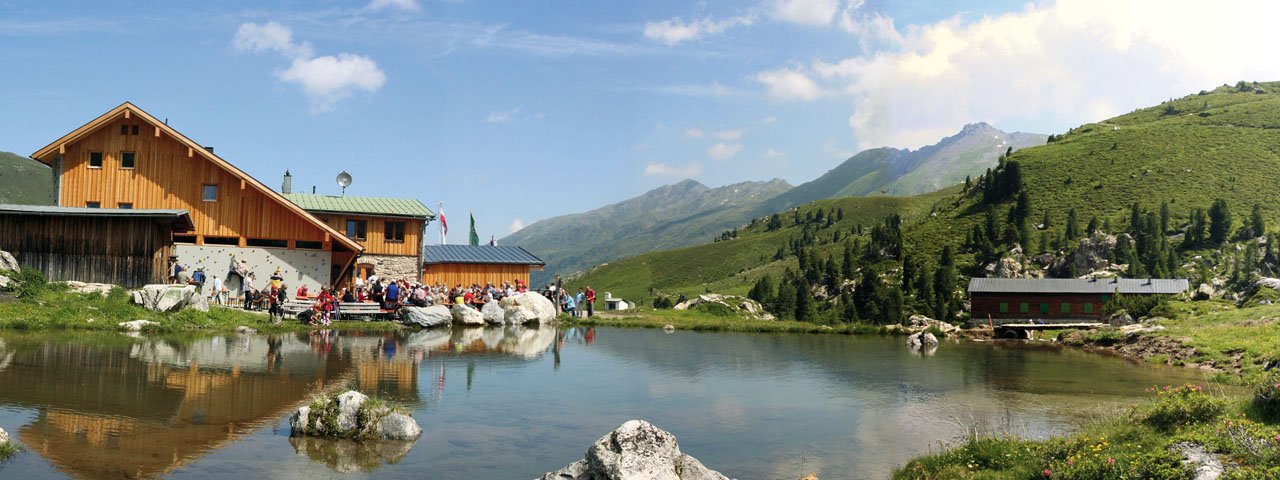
<point>580,299</point>
<point>591,302</point>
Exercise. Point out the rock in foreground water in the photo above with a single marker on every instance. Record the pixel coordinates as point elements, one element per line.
<point>352,415</point>
<point>637,450</point>
<point>426,317</point>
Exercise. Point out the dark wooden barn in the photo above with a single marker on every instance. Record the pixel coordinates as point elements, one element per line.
<point>1057,299</point>
<point>124,247</point>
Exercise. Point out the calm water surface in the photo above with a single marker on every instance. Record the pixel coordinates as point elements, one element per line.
<point>514,403</point>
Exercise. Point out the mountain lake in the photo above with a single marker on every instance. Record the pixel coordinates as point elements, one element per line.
<point>513,403</point>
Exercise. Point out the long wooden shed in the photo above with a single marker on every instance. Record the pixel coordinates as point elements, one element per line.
<point>125,247</point>
<point>477,264</point>
<point>1058,298</point>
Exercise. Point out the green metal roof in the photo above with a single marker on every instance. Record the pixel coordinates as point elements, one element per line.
<point>400,207</point>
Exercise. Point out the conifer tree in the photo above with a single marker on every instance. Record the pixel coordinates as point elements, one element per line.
<point>1257,223</point>
<point>1219,222</point>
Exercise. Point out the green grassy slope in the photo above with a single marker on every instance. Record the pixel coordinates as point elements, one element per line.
<point>1187,152</point>
<point>24,181</point>
<point>1223,143</point>
<point>732,266</point>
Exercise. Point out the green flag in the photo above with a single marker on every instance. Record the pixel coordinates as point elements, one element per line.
<point>475,239</point>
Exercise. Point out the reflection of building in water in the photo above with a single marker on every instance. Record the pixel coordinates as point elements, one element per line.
<point>109,412</point>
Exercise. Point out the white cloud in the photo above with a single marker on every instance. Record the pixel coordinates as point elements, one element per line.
<point>325,79</point>
<point>515,114</point>
<point>771,153</point>
<point>805,12</point>
<point>1075,61</point>
<point>676,30</point>
<point>728,134</point>
<point>724,151</point>
<point>498,117</point>
<point>667,170</point>
<point>406,5</point>
<point>270,36</point>
<point>789,84</point>
<point>769,120</point>
<point>515,226</point>
<point>328,79</point>
<point>693,133</point>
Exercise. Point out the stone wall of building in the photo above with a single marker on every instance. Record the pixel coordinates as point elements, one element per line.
<point>393,267</point>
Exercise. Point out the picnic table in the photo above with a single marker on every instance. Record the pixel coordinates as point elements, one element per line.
<point>346,310</point>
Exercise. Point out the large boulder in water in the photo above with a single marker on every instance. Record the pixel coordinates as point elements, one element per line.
<point>166,298</point>
<point>637,450</point>
<point>426,317</point>
<point>528,307</point>
<point>466,316</point>
<point>492,313</point>
<point>351,416</point>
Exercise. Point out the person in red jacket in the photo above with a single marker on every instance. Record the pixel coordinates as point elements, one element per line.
<point>591,302</point>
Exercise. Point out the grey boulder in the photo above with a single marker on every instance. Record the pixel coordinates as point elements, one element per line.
<point>634,451</point>
<point>426,317</point>
<point>165,298</point>
<point>7,262</point>
<point>466,316</point>
<point>492,313</point>
<point>528,307</point>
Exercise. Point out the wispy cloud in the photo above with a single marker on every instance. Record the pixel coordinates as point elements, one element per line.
<point>666,170</point>
<point>728,134</point>
<point>502,37</point>
<point>693,133</point>
<point>325,79</point>
<point>789,84</point>
<point>515,226</point>
<point>806,12</point>
<point>724,151</point>
<point>512,115</point>
<point>12,27</point>
<point>677,30</point>
<point>406,5</point>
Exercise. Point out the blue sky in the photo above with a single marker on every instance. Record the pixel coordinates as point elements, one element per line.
<point>523,110</point>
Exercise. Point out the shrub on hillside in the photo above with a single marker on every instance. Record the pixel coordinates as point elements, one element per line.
<point>1266,396</point>
<point>715,309</point>
<point>661,303</point>
<point>1174,407</point>
<point>27,283</point>
<point>1138,306</point>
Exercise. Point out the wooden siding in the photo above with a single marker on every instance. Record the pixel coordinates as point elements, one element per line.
<point>375,242</point>
<point>466,274</point>
<point>130,252</point>
<point>165,177</point>
<point>988,304</point>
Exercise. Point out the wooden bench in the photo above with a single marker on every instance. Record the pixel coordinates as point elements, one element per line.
<point>361,310</point>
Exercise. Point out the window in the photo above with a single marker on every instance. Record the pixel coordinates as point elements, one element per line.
<point>126,205</point>
<point>1024,307</point>
<point>266,242</point>
<point>124,129</point>
<point>210,193</point>
<point>95,159</point>
<point>1106,298</point>
<point>309,245</point>
<point>395,232</point>
<point>221,240</point>
<point>93,204</point>
<point>356,229</point>
<point>1004,307</point>
<point>1044,307</point>
<point>127,159</point>
<point>133,130</point>
<point>184,239</point>
<point>1088,308</point>
<point>1065,308</point>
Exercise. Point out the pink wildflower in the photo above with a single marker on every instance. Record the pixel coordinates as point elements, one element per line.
<point>1111,461</point>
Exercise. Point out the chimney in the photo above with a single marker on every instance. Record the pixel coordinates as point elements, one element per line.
<point>287,187</point>
<point>313,189</point>
<point>210,149</point>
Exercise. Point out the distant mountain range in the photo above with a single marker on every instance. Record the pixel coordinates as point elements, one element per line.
<point>895,171</point>
<point>689,213</point>
<point>666,217</point>
<point>24,181</point>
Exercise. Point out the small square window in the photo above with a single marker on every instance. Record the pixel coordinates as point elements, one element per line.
<point>126,205</point>
<point>124,129</point>
<point>93,204</point>
<point>1044,308</point>
<point>1088,308</point>
<point>95,159</point>
<point>210,193</point>
<point>395,232</point>
<point>133,130</point>
<point>1004,307</point>
<point>127,159</point>
<point>1065,308</point>
<point>1024,307</point>
<point>357,229</point>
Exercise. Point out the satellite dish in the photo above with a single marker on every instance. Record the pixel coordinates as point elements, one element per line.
<point>344,180</point>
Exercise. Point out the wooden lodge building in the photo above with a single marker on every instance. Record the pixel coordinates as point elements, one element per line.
<point>132,192</point>
<point>1058,298</point>
<point>128,247</point>
<point>477,264</point>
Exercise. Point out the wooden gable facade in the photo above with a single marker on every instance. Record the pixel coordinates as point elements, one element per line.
<point>376,240</point>
<point>127,158</point>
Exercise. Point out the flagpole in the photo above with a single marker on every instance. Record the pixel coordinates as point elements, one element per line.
<point>440,208</point>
